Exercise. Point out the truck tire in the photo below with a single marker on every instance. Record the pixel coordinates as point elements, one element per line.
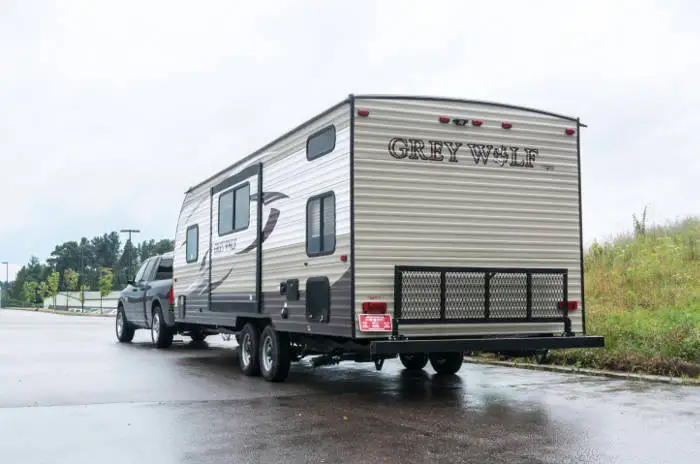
<point>123,328</point>
<point>414,361</point>
<point>248,352</point>
<point>275,355</point>
<point>446,363</point>
<point>161,335</point>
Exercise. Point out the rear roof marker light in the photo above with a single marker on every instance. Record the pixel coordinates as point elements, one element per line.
<point>477,122</point>
<point>444,119</point>
<point>506,125</point>
<point>363,113</point>
<point>569,131</point>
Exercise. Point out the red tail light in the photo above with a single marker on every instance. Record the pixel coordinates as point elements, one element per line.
<point>171,297</point>
<point>375,307</point>
<point>573,305</point>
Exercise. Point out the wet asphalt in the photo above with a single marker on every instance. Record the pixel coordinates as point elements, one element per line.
<point>69,393</point>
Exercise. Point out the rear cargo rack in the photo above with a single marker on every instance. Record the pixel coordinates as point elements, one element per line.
<point>461,295</point>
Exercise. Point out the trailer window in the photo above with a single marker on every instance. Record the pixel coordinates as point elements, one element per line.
<point>234,210</point>
<point>320,225</point>
<point>192,244</point>
<point>320,143</point>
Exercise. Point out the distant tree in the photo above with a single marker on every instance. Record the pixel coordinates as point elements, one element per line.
<point>53,282</point>
<point>164,246</point>
<point>83,288</point>
<point>105,284</point>
<point>70,279</point>
<point>125,269</point>
<point>30,292</point>
<point>33,271</point>
<point>43,290</point>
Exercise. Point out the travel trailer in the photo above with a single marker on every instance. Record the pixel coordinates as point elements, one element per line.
<point>388,226</point>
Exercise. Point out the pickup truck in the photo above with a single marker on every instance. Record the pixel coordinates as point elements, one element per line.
<point>146,303</point>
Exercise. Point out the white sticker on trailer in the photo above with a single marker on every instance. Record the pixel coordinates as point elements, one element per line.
<point>375,323</point>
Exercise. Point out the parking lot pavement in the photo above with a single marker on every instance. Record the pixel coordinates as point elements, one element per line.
<point>70,394</point>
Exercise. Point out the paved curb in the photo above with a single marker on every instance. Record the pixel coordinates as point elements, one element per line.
<point>594,372</point>
<point>57,311</point>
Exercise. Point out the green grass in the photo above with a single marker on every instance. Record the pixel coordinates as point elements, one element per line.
<point>643,296</point>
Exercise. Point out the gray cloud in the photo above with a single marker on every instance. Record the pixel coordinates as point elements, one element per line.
<point>95,93</point>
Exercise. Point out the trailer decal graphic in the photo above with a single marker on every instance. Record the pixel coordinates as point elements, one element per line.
<point>437,150</point>
<point>202,283</point>
<point>267,230</point>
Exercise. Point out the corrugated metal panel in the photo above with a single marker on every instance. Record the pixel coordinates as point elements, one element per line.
<point>289,180</point>
<point>454,206</point>
<point>190,278</point>
<point>284,252</point>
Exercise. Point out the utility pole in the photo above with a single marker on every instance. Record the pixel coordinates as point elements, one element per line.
<point>7,280</point>
<point>131,245</point>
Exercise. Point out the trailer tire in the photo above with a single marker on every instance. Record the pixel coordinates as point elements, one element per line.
<point>275,354</point>
<point>122,327</point>
<point>161,335</point>
<point>414,361</point>
<point>248,352</point>
<point>446,363</point>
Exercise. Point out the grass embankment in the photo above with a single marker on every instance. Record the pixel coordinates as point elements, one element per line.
<point>643,296</point>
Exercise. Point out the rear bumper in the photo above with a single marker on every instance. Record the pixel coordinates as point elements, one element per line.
<point>460,345</point>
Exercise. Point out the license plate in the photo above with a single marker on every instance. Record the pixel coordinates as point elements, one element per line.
<point>375,323</point>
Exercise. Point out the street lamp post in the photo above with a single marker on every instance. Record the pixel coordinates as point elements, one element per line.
<point>131,245</point>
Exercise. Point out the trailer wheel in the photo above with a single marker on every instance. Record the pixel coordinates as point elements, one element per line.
<point>161,335</point>
<point>123,328</point>
<point>248,353</point>
<point>446,363</point>
<point>414,361</point>
<point>275,355</point>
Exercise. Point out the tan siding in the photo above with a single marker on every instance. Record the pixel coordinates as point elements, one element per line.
<point>443,213</point>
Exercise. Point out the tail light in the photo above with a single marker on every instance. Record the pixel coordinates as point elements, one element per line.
<point>171,297</point>
<point>572,305</point>
<point>374,307</point>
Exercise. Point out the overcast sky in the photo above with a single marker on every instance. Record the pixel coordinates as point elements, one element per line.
<point>110,110</point>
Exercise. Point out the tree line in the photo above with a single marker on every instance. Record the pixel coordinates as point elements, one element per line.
<point>99,264</point>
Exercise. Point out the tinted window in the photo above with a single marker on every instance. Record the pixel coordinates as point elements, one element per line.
<point>320,225</point>
<point>149,269</point>
<point>320,143</point>
<point>165,269</point>
<point>226,213</point>
<point>234,210</point>
<point>242,209</point>
<point>192,246</point>
<point>140,272</point>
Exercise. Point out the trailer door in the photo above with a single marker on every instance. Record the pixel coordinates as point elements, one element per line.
<point>234,266</point>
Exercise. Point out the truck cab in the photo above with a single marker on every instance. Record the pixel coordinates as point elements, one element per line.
<point>147,293</point>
